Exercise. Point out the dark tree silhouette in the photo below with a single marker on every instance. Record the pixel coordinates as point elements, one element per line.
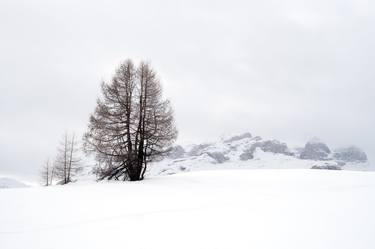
<point>132,124</point>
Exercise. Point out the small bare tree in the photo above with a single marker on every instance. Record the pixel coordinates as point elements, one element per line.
<point>67,162</point>
<point>47,173</point>
<point>132,123</point>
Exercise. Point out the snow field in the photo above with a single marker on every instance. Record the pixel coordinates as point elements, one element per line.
<point>232,209</point>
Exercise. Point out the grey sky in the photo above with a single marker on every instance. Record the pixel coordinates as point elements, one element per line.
<point>289,70</point>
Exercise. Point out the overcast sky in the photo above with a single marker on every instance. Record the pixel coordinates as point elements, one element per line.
<point>289,70</point>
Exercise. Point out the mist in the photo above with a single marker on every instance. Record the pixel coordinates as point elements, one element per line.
<point>289,70</point>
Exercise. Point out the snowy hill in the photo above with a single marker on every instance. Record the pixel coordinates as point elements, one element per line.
<point>8,182</point>
<point>247,151</point>
<point>224,209</point>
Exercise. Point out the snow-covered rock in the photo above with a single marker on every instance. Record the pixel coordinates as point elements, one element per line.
<point>272,146</point>
<point>218,156</point>
<point>198,149</point>
<point>176,152</point>
<point>253,152</point>
<point>247,155</point>
<point>329,167</point>
<point>350,154</point>
<point>315,151</point>
<point>238,137</point>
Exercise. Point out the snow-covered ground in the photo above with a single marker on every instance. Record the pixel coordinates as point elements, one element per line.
<point>234,209</point>
<point>11,182</point>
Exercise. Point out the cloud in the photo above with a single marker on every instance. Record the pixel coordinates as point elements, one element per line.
<point>290,70</point>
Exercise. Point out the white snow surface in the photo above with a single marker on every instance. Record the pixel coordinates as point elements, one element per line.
<point>10,182</point>
<point>231,209</point>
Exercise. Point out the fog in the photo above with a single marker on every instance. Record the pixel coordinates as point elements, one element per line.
<point>289,70</point>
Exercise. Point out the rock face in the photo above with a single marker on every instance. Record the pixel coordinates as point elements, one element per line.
<point>218,156</point>
<point>197,150</point>
<point>315,151</point>
<point>242,147</point>
<point>247,155</point>
<point>246,151</point>
<point>257,138</point>
<point>239,137</point>
<point>272,146</point>
<point>350,154</point>
<point>176,152</point>
<point>329,167</point>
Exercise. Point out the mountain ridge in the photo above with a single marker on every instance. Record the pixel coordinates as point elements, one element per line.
<point>248,151</point>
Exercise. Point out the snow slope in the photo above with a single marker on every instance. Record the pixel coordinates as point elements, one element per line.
<point>9,182</point>
<point>233,209</point>
<point>245,151</point>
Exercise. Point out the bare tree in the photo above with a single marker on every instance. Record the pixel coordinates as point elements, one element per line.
<point>132,124</point>
<point>52,173</point>
<point>67,162</point>
<point>47,173</point>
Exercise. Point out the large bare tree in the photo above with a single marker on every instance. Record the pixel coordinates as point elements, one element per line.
<point>132,123</point>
